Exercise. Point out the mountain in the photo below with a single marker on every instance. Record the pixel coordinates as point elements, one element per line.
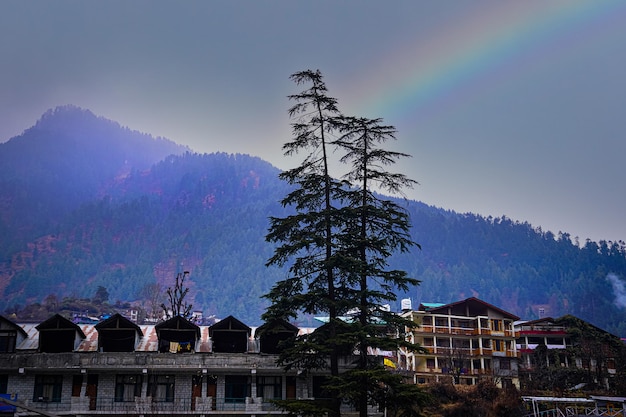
<point>68,158</point>
<point>86,203</point>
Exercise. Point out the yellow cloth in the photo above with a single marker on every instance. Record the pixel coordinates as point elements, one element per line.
<point>388,362</point>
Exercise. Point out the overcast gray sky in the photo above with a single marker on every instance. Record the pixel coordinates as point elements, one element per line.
<point>512,108</point>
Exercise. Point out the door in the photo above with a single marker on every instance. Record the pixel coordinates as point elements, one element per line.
<point>196,390</point>
<point>91,390</point>
<point>211,389</point>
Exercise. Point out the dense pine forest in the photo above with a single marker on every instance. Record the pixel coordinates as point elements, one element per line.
<point>86,203</point>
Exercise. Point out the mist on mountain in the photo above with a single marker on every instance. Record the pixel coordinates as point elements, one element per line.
<point>86,203</point>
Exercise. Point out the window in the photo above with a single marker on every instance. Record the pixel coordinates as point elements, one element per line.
<point>77,385</point>
<point>56,341</point>
<point>127,387</point>
<point>175,347</point>
<point>161,388</point>
<point>291,387</point>
<point>461,344</point>
<point>505,364</point>
<point>430,363</point>
<point>7,341</point>
<point>441,321</point>
<point>4,384</point>
<point>496,325</point>
<point>499,345</point>
<point>237,388</point>
<point>443,342</point>
<point>48,388</point>
<point>610,363</point>
<point>269,387</point>
<point>556,341</point>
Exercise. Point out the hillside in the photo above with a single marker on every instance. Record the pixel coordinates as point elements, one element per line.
<point>69,157</point>
<point>88,203</point>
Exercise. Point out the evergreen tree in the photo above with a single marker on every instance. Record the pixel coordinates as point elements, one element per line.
<point>307,239</point>
<point>378,227</point>
<point>338,240</point>
<point>101,295</point>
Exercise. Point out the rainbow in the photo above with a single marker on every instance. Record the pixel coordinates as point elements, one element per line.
<point>466,56</point>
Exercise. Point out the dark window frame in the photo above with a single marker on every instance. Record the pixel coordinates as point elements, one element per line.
<point>48,388</point>
<point>236,388</point>
<point>266,383</point>
<point>126,384</point>
<point>8,341</point>
<point>162,388</point>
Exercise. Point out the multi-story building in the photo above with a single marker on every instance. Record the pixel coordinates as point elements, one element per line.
<point>568,353</point>
<point>542,332</point>
<point>463,342</point>
<point>116,367</point>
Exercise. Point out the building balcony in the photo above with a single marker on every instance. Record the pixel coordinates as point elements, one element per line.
<point>466,331</point>
<point>532,346</point>
<point>445,371</point>
<point>447,351</point>
<point>147,405</point>
<point>120,361</point>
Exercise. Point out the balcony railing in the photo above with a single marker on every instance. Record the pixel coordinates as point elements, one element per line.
<point>444,350</point>
<point>464,372</point>
<point>149,405</point>
<point>466,331</point>
<point>137,360</point>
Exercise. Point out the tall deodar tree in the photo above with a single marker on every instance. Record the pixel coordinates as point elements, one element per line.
<point>378,228</point>
<point>306,239</point>
<point>336,245</point>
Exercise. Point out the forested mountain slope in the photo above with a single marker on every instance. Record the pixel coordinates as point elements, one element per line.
<point>69,157</point>
<point>86,203</point>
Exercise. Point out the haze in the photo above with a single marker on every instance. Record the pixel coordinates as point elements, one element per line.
<point>508,108</point>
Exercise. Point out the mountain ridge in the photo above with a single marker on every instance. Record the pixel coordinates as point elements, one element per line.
<point>170,209</point>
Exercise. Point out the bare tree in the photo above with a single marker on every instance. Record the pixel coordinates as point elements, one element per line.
<point>176,298</point>
<point>456,361</point>
<point>152,294</point>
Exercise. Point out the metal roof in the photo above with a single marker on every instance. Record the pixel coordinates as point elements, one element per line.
<point>148,343</point>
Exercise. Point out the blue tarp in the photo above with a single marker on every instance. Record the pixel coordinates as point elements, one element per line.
<point>6,408</point>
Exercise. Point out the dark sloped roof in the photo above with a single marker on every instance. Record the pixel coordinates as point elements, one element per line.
<point>473,302</point>
<point>548,320</point>
<point>229,323</point>
<point>177,323</point>
<point>59,322</point>
<point>117,321</point>
<point>13,325</point>
<point>276,326</point>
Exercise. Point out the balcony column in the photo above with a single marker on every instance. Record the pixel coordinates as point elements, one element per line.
<point>83,386</point>
<point>144,384</point>
<point>253,383</point>
<point>80,404</point>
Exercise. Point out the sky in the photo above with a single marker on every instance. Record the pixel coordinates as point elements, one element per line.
<point>514,108</point>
